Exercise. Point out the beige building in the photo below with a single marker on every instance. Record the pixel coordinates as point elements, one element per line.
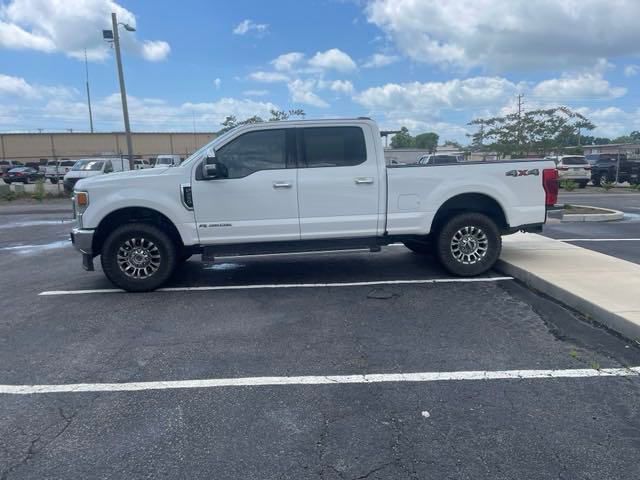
<point>39,147</point>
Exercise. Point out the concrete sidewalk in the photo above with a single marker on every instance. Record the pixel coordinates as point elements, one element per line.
<point>604,288</point>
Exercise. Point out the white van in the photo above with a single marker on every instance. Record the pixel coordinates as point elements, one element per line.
<point>141,164</point>
<point>88,167</point>
<point>163,161</point>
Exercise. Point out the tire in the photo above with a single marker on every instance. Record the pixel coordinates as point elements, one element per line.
<point>156,260</point>
<point>53,180</point>
<point>8,182</point>
<point>596,180</point>
<point>26,181</point>
<point>468,230</point>
<point>421,248</point>
<point>582,184</point>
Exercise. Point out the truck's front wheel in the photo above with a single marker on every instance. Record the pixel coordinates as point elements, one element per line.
<point>138,257</point>
<point>468,244</point>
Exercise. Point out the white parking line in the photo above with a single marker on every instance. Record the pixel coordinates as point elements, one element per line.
<point>320,380</point>
<point>288,285</point>
<point>599,239</point>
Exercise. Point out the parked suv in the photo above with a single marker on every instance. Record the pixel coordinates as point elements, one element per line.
<point>573,167</point>
<point>605,165</point>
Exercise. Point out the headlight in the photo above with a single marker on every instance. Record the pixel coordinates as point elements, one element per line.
<point>81,201</point>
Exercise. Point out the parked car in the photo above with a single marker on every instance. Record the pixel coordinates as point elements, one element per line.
<point>439,159</point>
<point>55,170</point>
<point>89,167</point>
<point>23,174</point>
<point>575,168</point>
<point>163,161</point>
<point>141,163</point>
<point>6,165</point>
<point>300,186</point>
<point>605,165</point>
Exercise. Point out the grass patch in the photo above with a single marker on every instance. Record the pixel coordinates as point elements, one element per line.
<point>568,185</point>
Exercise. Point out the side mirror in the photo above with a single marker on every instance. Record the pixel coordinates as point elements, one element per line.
<point>212,168</point>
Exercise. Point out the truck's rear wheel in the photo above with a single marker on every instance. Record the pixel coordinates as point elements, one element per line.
<point>468,244</point>
<point>138,257</point>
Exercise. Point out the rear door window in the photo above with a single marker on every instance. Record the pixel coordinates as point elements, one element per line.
<point>333,146</point>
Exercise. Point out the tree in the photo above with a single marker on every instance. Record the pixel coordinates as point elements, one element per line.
<point>452,143</point>
<point>537,131</point>
<point>402,139</point>
<point>427,141</point>
<point>633,137</point>
<point>276,115</point>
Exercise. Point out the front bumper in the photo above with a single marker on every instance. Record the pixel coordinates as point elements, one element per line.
<point>83,241</point>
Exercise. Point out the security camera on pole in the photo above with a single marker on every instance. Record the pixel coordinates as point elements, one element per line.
<point>113,36</point>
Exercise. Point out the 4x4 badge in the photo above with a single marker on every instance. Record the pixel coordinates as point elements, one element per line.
<point>522,173</point>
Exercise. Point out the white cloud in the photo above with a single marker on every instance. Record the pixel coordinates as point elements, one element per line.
<point>287,61</point>
<point>572,87</point>
<point>333,59</point>
<point>302,92</point>
<point>380,60</point>
<point>341,86</point>
<point>631,70</point>
<point>69,27</point>
<point>612,121</point>
<point>217,83</point>
<point>18,87</point>
<point>431,96</point>
<point>248,25</point>
<point>268,77</point>
<point>255,93</point>
<point>501,35</point>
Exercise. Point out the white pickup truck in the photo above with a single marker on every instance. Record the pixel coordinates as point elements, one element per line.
<point>304,186</point>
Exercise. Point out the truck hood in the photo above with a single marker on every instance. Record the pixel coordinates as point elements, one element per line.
<point>115,178</point>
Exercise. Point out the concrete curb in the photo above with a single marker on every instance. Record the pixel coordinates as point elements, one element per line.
<point>607,215</point>
<point>593,311</point>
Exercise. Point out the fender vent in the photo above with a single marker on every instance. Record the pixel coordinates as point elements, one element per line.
<point>186,196</point>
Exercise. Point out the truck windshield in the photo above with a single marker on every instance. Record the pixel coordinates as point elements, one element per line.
<point>88,165</point>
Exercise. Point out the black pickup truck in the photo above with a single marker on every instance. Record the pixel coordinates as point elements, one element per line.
<point>604,166</point>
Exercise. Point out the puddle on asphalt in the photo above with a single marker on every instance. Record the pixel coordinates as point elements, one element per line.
<point>31,249</point>
<point>223,266</point>
<point>36,223</point>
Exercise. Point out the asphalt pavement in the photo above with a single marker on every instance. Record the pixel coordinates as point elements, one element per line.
<point>618,238</point>
<point>289,316</point>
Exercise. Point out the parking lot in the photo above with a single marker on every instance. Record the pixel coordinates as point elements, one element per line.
<point>618,238</point>
<point>330,365</point>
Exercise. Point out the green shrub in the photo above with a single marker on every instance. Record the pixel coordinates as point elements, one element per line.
<point>568,185</point>
<point>39,192</point>
<point>607,185</point>
<point>9,196</point>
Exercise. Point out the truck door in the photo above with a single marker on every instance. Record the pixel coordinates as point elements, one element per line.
<point>257,201</point>
<point>338,183</point>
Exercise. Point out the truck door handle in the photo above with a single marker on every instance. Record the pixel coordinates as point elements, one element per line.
<point>363,180</point>
<point>281,185</point>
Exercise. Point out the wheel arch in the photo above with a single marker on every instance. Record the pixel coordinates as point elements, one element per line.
<point>471,202</point>
<point>125,215</point>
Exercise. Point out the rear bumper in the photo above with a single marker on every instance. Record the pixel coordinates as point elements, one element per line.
<point>83,241</point>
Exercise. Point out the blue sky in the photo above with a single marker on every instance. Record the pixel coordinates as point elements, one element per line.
<point>426,64</point>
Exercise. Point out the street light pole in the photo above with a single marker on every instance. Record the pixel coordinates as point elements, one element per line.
<point>123,92</point>
<point>86,70</point>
